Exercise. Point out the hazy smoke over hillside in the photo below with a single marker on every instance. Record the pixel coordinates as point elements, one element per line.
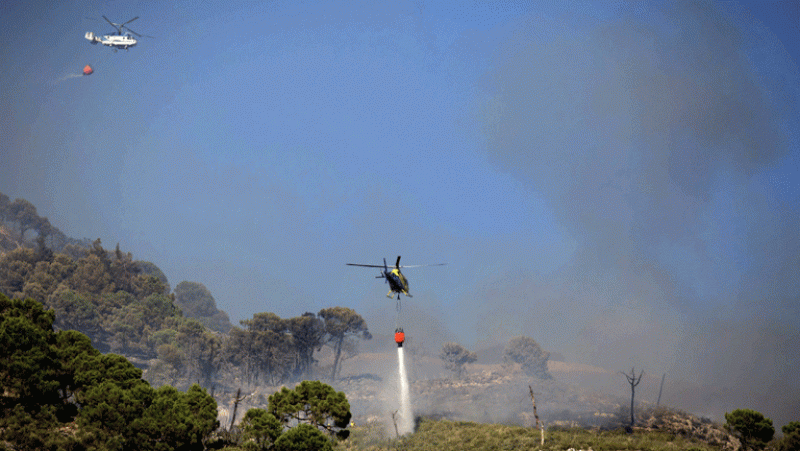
<point>648,144</point>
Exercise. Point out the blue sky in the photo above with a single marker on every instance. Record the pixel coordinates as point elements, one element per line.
<point>617,180</point>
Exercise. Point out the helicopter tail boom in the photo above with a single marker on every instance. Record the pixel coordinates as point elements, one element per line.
<point>91,37</point>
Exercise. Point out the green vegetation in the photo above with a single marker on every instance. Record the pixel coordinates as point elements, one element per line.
<point>59,392</point>
<point>56,381</point>
<point>315,404</point>
<point>444,435</point>
<point>101,294</point>
<point>261,428</point>
<point>751,427</point>
<point>196,302</point>
<point>75,313</point>
<point>791,437</point>
<point>303,437</point>
<point>125,306</point>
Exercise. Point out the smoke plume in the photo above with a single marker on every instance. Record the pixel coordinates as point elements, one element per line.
<point>649,143</point>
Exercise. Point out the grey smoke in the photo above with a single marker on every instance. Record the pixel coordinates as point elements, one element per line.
<point>646,138</point>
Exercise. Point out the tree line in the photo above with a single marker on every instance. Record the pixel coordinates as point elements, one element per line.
<point>59,392</point>
<point>125,306</point>
<point>53,381</point>
<point>22,215</point>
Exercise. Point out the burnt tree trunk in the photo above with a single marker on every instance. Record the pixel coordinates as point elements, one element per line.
<point>634,381</point>
<point>336,358</point>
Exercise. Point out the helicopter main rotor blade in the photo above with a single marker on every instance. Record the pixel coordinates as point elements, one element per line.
<point>126,23</point>
<point>139,35</point>
<point>420,266</point>
<point>116,26</point>
<point>365,266</point>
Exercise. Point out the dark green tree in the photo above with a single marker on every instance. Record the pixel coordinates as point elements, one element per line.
<point>342,323</point>
<point>109,410</point>
<point>313,403</point>
<point>32,390</point>
<point>791,437</point>
<point>34,431</point>
<point>261,427</point>
<point>196,302</point>
<point>150,269</point>
<point>24,213</point>
<point>15,269</point>
<point>790,427</point>
<point>194,299</point>
<point>455,357</point>
<point>238,351</point>
<point>751,427</point>
<point>201,350</point>
<point>29,366</point>
<point>44,229</point>
<point>76,312</point>
<point>525,352</point>
<point>55,381</point>
<point>303,437</point>
<point>73,348</point>
<point>269,346</point>
<point>5,203</point>
<point>123,271</point>
<point>308,332</point>
<point>91,276</point>
<point>134,323</point>
<point>176,420</point>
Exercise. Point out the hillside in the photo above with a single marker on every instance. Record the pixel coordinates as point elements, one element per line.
<point>667,430</point>
<point>126,306</point>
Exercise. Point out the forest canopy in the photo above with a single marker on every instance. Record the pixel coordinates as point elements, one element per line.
<point>179,336</point>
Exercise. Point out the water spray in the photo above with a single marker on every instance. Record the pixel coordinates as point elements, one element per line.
<point>406,419</point>
<point>406,424</point>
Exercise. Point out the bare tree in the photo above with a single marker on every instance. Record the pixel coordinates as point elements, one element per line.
<point>394,420</point>
<point>536,415</point>
<point>634,381</point>
<point>239,398</point>
<point>660,388</point>
<point>421,5</point>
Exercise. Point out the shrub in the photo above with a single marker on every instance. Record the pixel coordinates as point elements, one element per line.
<point>303,437</point>
<point>751,427</point>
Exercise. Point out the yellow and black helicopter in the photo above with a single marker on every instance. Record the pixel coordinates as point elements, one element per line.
<point>396,280</point>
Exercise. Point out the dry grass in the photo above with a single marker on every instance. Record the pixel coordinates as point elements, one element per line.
<point>443,435</point>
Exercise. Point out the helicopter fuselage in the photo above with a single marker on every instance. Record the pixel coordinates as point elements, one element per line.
<point>397,281</point>
<point>117,41</point>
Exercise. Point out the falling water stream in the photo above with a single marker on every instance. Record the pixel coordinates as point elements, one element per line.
<point>405,424</point>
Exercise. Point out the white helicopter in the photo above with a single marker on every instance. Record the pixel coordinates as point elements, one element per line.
<point>119,40</point>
